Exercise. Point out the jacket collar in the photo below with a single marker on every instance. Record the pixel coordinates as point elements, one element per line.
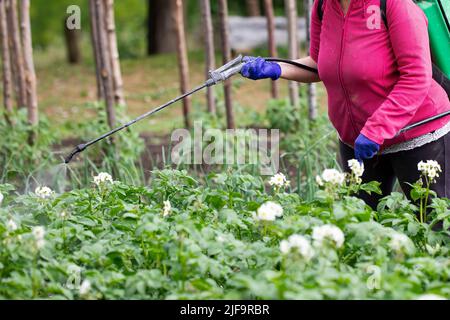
<point>355,4</point>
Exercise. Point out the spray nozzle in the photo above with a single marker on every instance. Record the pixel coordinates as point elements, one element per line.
<point>226,71</point>
<point>79,148</point>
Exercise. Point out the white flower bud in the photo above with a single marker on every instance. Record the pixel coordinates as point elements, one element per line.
<point>329,233</point>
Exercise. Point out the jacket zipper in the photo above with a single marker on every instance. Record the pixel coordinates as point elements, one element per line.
<point>340,73</point>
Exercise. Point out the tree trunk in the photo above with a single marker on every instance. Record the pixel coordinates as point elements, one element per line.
<point>226,54</point>
<point>114,52</point>
<point>253,9</point>
<point>209,50</point>
<point>95,49</point>
<point>160,37</point>
<point>6,61</point>
<point>72,37</point>
<point>16,52</point>
<point>312,101</point>
<point>291,13</point>
<point>183,64</point>
<point>104,67</point>
<point>268,5</point>
<point>30,74</point>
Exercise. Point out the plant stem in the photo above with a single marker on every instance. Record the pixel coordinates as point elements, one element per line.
<point>426,200</point>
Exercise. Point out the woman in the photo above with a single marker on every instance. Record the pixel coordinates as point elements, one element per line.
<point>379,80</point>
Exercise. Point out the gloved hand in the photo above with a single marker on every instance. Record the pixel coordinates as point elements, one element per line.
<point>365,148</point>
<point>258,68</point>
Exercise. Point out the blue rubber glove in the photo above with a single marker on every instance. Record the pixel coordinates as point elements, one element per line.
<point>365,148</point>
<point>258,68</point>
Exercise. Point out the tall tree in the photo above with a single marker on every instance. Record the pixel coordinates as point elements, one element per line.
<point>114,53</point>
<point>72,37</point>
<point>16,52</point>
<point>268,5</point>
<point>253,8</point>
<point>209,50</point>
<point>312,101</point>
<point>72,34</point>
<point>6,60</point>
<point>226,54</point>
<point>160,36</point>
<point>30,74</point>
<point>183,64</point>
<point>291,13</point>
<point>103,67</point>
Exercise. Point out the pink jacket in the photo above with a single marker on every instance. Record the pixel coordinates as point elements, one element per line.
<point>378,80</point>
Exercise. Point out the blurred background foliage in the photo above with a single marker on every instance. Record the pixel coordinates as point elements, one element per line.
<point>48,18</point>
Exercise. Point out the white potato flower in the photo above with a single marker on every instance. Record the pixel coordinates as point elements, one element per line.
<point>401,243</point>
<point>167,208</point>
<point>319,181</point>
<point>220,238</point>
<point>11,225</point>
<point>85,287</point>
<point>330,233</point>
<point>269,211</point>
<point>331,176</point>
<point>103,178</point>
<point>299,244</point>
<point>285,247</point>
<point>43,192</point>
<point>279,180</point>
<point>356,167</point>
<point>430,169</point>
<point>38,232</point>
<point>430,296</point>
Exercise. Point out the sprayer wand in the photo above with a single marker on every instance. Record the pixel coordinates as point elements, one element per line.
<point>216,76</point>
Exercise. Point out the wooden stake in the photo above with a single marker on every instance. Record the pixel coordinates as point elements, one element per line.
<point>6,61</point>
<point>312,101</point>
<point>183,64</point>
<point>104,67</point>
<point>268,5</point>
<point>16,52</point>
<point>209,51</point>
<point>114,53</point>
<point>253,9</point>
<point>72,38</point>
<point>291,13</point>
<point>226,54</point>
<point>30,74</point>
<point>96,51</point>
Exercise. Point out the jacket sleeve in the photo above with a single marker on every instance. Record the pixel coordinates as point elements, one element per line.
<point>316,26</point>
<point>408,30</point>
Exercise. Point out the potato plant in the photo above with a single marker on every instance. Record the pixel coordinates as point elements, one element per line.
<point>229,236</point>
